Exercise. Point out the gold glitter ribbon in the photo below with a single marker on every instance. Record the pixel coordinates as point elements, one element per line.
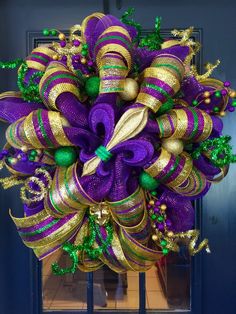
<point>129,212</point>
<point>33,64</point>
<point>119,49</point>
<point>131,123</point>
<point>189,182</point>
<point>11,181</point>
<point>66,194</point>
<point>167,69</point>
<point>53,240</point>
<point>180,122</point>
<point>54,69</point>
<point>161,163</point>
<point>27,131</point>
<point>111,71</point>
<point>95,15</point>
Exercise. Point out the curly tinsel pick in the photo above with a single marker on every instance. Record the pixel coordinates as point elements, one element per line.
<point>217,150</point>
<point>192,236</point>
<point>11,181</point>
<point>87,246</point>
<point>30,91</point>
<point>209,69</point>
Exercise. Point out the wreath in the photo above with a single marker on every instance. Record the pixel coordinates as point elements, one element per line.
<point>111,136</point>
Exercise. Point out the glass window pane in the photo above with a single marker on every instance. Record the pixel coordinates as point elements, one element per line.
<point>68,292</point>
<point>168,283</point>
<point>167,286</point>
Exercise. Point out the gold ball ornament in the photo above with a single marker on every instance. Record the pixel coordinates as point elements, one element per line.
<point>206,94</point>
<point>83,60</point>
<point>130,91</point>
<point>207,101</point>
<point>55,57</point>
<point>222,113</point>
<point>174,146</point>
<point>170,234</point>
<point>154,237</point>
<point>232,94</point>
<point>163,207</point>
<point>61,36</point>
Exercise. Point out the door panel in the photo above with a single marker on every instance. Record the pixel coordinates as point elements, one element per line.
<point>17,274</point>
<point>218,209</point>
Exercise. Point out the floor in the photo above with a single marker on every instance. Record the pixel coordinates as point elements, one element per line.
<point>69,292</point>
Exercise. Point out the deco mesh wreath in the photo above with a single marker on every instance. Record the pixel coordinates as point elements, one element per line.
<point>112,136</point>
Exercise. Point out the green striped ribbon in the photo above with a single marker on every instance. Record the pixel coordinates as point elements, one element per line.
<point>195,126</point>
<point>39,57</point>
<point>59,76</point>
<point>42,129</point>
<point>104,67</point>
<point>112,37</point>
<point>171,66</point>
<point>40,230</point>
<point>172,170</point>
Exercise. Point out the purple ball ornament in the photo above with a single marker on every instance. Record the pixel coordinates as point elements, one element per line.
<point>63,43</point>
<point>227,84</point>
<point>76,43</point>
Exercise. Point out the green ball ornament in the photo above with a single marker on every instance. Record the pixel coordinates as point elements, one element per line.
<point>234,103</point>
<point>163,243</point>
<point>195,102</point>
<point>65,156</point>
<point>31,158</point>
<point>217,94</point>
<point>53,32</point>
<point>84,52</point>
<point>216,109</point>
<point>33,153</point>
<point>153,216</point>
<point>46,32</point>
<point>92,86</point>
<point>147,182</point>
<point>165,251</point>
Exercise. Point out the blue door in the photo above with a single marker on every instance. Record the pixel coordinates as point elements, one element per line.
<point>209,280</point>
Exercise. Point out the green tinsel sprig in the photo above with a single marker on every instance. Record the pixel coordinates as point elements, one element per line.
<point>11,64</point>
<point>218,151</point>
